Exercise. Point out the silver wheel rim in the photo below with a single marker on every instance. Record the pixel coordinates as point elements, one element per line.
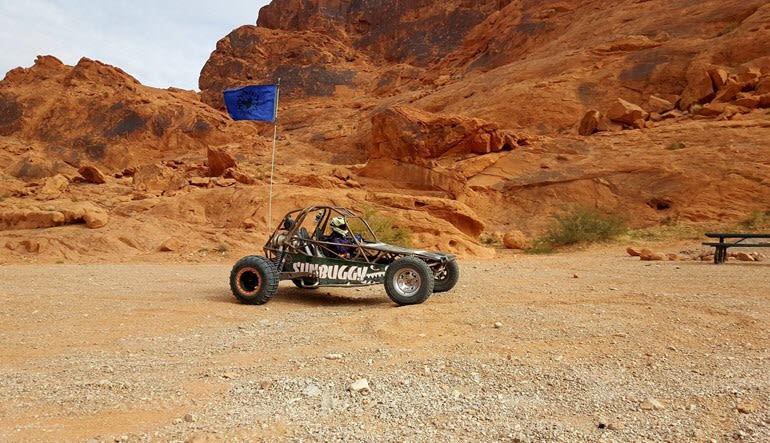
<point>407,282</point>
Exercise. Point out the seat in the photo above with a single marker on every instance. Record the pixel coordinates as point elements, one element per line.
<point>307,243</point>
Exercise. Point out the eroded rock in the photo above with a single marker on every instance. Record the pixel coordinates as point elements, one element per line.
<point>219,161</point>
<point>405,133</point>
<point>515,240</point>
<point>590,122</point>
<point>92,174</point>
<point>626,112</point>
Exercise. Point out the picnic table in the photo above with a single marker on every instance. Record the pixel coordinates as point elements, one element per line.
<point>735,239</point>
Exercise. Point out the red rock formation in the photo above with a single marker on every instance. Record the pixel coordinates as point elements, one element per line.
<point>413,136</point>
<point>415,107</point>
<point>94,112</point>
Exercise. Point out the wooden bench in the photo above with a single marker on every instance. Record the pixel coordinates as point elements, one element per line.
<point>737,240</point>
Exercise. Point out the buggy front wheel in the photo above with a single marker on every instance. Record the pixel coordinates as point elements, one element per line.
<point>254,280</point>
<point>408,281</point>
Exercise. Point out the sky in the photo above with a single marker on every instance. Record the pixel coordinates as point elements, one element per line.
<point>161,43</point>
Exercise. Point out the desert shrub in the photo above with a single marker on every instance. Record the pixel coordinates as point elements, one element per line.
<point>490,240</point>
<point>667,231</point>
<point>540,246</point>
<point>728,29</point>
<point>676,146</point>
<point>579,225</point>
<point>756,220</point>
<point>386,228</point>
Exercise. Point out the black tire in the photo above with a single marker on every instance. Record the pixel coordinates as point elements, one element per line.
<point>305,283</point>
<point>447,279</point>
<point>408,281</point>
<point>254,280</point>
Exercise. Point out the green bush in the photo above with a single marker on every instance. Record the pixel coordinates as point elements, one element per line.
<point>386,227</point>
<point>728,29</point>
<point>757,220</point>
<point>579,225</point>
<point>676,146</point>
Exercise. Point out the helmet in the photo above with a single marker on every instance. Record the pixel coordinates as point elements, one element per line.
<point>339,226</point>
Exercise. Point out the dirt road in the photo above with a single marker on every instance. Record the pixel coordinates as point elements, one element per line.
<point>588,346</point>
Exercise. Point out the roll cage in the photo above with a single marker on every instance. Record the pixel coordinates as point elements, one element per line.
<point>306,232</point>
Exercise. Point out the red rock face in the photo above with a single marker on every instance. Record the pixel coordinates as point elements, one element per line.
<point>314,47</point>
<point>94,112</point>
<point>360,48</point>
<point>424,106</point>
<point>417,32</point>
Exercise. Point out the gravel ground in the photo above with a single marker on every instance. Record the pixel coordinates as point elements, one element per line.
<point>586,346</point>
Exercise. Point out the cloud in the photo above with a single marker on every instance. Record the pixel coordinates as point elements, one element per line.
<point>160,43</point>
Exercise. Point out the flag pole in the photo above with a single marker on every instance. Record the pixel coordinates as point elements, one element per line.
<point>272,163</point>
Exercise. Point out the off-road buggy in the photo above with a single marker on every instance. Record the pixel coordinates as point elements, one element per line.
<point>304,249</point>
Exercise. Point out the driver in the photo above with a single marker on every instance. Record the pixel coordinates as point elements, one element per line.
<point>340,236</point>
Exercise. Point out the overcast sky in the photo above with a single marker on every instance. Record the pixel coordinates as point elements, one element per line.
<point>160,42</point>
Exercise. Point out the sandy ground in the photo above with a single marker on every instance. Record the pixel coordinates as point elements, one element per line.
<point>585,346</point>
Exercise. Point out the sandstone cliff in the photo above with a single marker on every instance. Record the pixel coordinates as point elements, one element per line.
<point>459,118</point>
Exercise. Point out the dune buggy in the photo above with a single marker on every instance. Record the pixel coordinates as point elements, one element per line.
<point>305,250</point>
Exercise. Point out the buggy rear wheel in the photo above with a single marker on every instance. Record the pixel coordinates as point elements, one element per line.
<point>254,280</point>
<point>408,281</point>
<point>446,279</point>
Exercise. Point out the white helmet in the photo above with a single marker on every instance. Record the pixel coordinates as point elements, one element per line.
<point>339,226</point>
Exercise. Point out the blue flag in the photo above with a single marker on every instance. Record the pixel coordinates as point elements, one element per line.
<point>257,102</point>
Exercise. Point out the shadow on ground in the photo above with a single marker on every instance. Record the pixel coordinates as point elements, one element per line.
<point>311,297</point>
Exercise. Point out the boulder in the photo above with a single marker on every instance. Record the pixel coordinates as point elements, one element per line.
<point>158,178</point>
<point>749,102</point>
<point>763,85</point>
<point>747,78</point>
<point>626,112</point>
<point>718,77</point>
<point>515,240</point>
<point>239,176</point>
<point>201,182</point>
<point>605,125</point>
<point>223,182</point>
<point>95,218</point>
<point>589,122</point>
<point>53,187</point>
<point>219,160</point>
<point>171,244</point>
<point>728,92</point>
<point>673,114</point>
<point>633,252</point>
<point>659,105</point>
<point>712,109</point>
<point>699,90</point>
<point>764,101</point>
<point>360,386</point>
<point>31,246</point>
<point>647,255</point>
<point>742,256</point>
<point>92,174</point>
